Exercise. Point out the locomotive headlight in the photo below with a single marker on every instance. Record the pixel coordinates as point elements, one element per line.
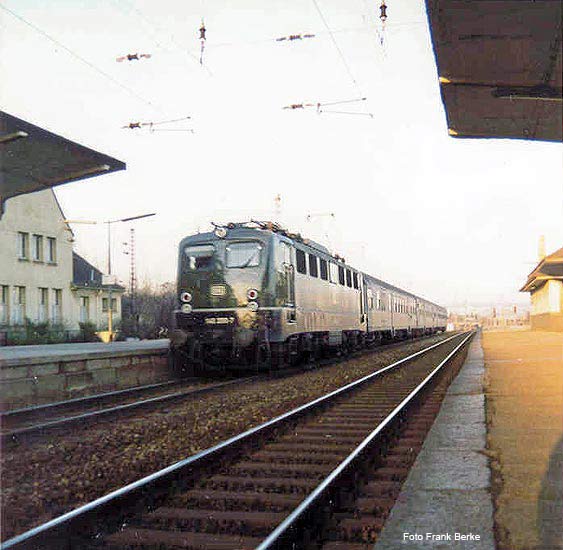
<point>186,308</point>
<point>252,294</point>
<point>220,232</point>
<point>186,297</point>
<point>252,306</point>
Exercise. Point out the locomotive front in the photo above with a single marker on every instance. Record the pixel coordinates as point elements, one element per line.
<point>226,298</point>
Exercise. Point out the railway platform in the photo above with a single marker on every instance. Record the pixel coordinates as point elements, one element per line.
<point>492,464</point>
<point>31,375</point>
<point>445,501</point>
<point>524,387</point>
<point>26,355</point>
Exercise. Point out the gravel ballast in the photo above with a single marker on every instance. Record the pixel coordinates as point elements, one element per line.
<point>44,478</point>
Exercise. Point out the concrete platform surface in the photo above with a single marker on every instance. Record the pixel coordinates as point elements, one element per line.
<point>12,355</point>
<point>445,501</point>
<point>524,388</point>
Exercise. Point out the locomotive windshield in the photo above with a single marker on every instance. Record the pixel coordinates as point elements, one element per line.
<point>199,257</point>
<point>246,254</point>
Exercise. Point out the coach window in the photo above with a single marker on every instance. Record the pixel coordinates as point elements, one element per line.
<point>301,265</point>
<point>313,266</point>
<point>324,270</point>
<point>333,268</point>
<point>341,275</point>
<point>348,278</point>
<point>355,279</point>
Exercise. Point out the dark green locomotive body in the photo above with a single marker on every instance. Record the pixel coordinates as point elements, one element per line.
<point>253,294</point>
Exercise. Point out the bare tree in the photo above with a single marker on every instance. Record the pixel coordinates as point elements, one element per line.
<point>150,316</point>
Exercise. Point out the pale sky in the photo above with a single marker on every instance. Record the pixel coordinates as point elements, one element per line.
<point>452,220</point>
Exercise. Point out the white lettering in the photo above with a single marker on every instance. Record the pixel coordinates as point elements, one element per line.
<point>468,536</point>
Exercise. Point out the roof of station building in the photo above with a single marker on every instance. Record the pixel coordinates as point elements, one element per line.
<point>32,159</point>
<point>500,68</point>
<point>551,267</point>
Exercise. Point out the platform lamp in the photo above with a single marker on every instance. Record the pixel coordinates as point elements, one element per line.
<point>109,224</point>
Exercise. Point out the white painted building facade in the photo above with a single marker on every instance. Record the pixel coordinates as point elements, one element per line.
<point>37,281</point>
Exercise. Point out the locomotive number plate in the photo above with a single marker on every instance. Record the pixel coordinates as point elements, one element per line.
<point>219,320</point>
<point>218,290</point>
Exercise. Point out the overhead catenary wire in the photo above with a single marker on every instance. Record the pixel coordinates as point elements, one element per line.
<point>319,105</point>
<point>139,125</point>
<point>338,49</point>
<point>107,76</point>
<point>316,34</point>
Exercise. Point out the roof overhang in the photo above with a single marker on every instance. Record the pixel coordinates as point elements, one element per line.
<point>32,159</point>
<point>499,66</point>
<point>549,268</point>
<point>537,282</point>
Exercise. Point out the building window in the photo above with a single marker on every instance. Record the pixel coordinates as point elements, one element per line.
<point>348,278</point>
<point>37,248</point>
<point>341,275</point>
<point>313,266</point>
<point>56,315</point>
<point>51,250</point>
<point>23,245</point>
<point>105,302</point>
<point>84,309</point>
<point>355,280</point>
<point>19,305</point>
<point>43,305</point>
<point>301,263</point>
<point>324,270</point>
<point>4,304</point>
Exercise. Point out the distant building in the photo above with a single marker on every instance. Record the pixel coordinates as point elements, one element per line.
<point>545,285</point>
<point>41,278</point>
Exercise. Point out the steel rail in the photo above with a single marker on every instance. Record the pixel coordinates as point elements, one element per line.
<point>108,395</point>
<point>118,409</point>
<point>85,399</point>
<point>8,435</point>
<point>80,514</point>
<point>326,484</point>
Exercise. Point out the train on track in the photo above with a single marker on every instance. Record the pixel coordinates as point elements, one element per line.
<point>255,295</point>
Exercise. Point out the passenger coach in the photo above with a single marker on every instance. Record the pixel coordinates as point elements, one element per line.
<point>253,294</point>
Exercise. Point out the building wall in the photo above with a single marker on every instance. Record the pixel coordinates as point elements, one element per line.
<point>35,214</point>
<point>548,298</point>
<point>39,214</point>
<point>552,322</point>
<point>97,314</point>
<point>547,307</point>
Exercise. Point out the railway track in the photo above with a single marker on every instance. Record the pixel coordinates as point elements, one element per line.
<point>324,472</point>
<point>48,418</point>
<point>64,414</point>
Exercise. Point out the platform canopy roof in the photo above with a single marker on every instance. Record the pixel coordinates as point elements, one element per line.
<point>32,159</point>
<point>499,65</point>
<point>551,267</point>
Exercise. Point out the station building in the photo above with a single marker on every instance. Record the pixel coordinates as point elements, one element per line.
<point>545,285</point>
<point>41,277</point>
